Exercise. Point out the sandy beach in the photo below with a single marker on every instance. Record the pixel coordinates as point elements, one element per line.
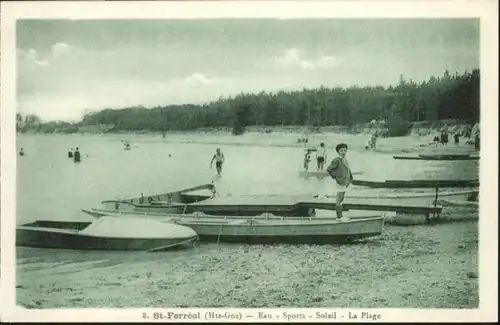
<point>278,138</point>
<point>329,116</point>
<point>408,267</point>
<point>424,266</point>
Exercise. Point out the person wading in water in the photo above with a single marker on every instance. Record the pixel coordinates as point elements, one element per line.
<point>339,170</point>
<point>219,160</point>
<point>307,159</point>
<point>70,153</point>
<point>321,156</point>
<point>76,156</point>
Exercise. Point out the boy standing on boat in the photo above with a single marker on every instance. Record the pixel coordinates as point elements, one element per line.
<point>321,156</point>
<point>340,171</point>
<point>219,160</point>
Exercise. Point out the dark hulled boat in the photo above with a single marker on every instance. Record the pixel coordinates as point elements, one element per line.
<point>442,157</point>
<point>107,233</point>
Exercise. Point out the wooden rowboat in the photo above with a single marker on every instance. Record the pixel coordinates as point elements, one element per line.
<point>105,234</point>
<point>438,157</point>
<point>446,155</point>
<point>176,198</point>
<point>416,183</point>
<point>284,205</point>
<point>265,229</point>
<point>293,205</point>
<point>422,199</point>
<point>398,183</point>
<point>319,174</point>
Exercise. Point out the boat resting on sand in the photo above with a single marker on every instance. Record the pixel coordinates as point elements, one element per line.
<point>105,234</point>
<point>428,198</point>
<point>416,183</point>
<point>181,197</point>
<point>319,174</point>
<point>265,229</point>
<point>438,157</point>
<point>296,205</point>
<point>451,202</point>
<point>283,205</point>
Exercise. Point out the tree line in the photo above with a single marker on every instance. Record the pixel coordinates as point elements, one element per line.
<point>444,97</point>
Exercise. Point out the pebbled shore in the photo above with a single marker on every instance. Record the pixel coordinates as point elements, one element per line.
<point>407,267</point>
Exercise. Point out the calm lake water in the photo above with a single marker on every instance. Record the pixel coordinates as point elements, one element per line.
<point>52,186</point>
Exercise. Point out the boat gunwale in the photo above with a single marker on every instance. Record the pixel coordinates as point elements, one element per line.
<point>436,158</point>
<point>286,223</point>
<point>77,233</point>
<point>208,186</point>
<point>406,195</point>
<point>300,201</point>
<point>203,217</point>
<point>400,184</point>
<point>449,155</point>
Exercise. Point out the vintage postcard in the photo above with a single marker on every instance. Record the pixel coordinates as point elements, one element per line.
<point>249,161</point>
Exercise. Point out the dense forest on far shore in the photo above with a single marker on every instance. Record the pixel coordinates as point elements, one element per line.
<point>447,97</point>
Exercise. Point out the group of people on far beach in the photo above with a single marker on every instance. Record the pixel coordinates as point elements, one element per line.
<point>443,138</point>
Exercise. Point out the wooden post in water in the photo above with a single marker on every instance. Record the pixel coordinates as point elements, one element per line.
<point>218,237</point>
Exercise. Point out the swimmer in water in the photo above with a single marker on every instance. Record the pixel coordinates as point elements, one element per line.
<point>373,141</point>
<point>76,156</point>
<point>436,140</point>
<point>70,153</point>
<point>219,160</point>
<point>307,159</point>
<point>21,152</point>
<point>368,144</point>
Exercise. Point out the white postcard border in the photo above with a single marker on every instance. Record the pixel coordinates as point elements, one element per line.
<point>486,10</point>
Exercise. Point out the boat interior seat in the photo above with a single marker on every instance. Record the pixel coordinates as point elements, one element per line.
<point>160,202</point>
<point>191,198</point>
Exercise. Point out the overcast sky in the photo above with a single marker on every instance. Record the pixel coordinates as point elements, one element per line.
<point>66,67</point>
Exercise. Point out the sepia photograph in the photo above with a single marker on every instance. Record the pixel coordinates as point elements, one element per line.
<point>210,165</point>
